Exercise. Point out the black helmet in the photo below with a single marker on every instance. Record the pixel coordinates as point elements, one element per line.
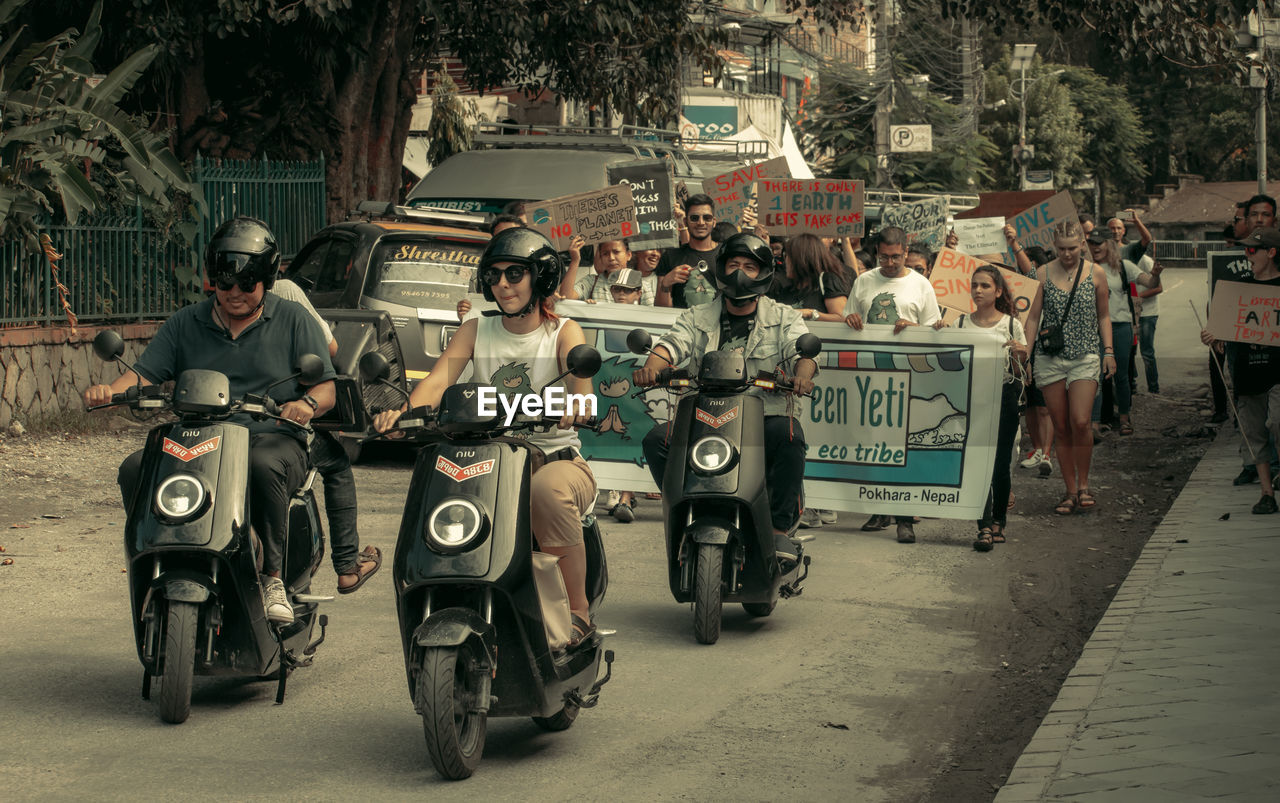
<point>739,287</point>
<point>243,244</point>
<point>529,248</point>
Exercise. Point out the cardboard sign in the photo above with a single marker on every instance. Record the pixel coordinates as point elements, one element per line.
<point>1246,313</point>
<point>1035,226</point>
<point>952,276</point>
<point>599,215</point>
<point>654,195</point>
<point>980,235</point>
<point>1227,266</point>
<point>923,221</point>
<point>734,191</point>
<point>826,207</point>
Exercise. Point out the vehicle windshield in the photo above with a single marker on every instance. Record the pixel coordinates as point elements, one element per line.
<point>435,274</point>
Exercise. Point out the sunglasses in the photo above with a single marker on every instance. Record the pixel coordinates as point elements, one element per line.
<point>703,218</point>
<point>246,281</point>
<point>492,276</point>
<point>1252,249</point>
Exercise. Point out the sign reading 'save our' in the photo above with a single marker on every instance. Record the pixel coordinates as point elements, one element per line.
<point>924,221</point>
<point>825,207</point>
<point>596,216</point>
<point>653,194</point>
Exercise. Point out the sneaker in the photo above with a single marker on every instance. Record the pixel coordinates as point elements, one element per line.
<point>906,532</point>
<point>810,518</point>
<point>829,516</point>
<point>623,512</point>
<point>876,523</point>
<point>611,500</point>
<point>276,601</point>
<point>1267,504</point>
<point>784,549</point>
<point>1046,467</point>
<point>1034,459</point>
<point>1247,476</point>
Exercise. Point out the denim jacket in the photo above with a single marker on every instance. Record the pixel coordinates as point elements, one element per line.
<point>772,342</point>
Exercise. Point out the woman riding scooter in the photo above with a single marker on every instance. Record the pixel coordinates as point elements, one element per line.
<point>520,351</point>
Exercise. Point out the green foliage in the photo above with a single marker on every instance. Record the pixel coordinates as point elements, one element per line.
<point>1113,130</point>
<point>65,141</point>
<point>1054,126</point>
<point>449,130</point>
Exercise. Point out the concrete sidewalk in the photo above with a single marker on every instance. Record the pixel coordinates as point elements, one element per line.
<point>1176,696</point>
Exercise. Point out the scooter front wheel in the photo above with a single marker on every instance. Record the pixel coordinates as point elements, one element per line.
<point>178,662</point>
<point>448,684</point>
<point>708,593</point>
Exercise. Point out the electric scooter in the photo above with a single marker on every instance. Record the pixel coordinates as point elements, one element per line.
<point>715,499</point>
<point>193,558</point>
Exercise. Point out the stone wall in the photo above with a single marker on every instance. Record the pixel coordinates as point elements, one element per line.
<point>45,370</point>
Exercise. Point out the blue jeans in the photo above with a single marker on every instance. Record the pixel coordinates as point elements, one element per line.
<point>1122,341</point>
<point>330,459</point>
<point>1147,348</point>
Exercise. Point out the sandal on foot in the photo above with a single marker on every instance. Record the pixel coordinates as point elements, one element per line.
<point>1086,499</point>
<point>1010,506</point>
<point>997,536</point>
<point>582,630</point>
<point>370,554</point>
<point>1066,507</point>
<point>1126,429</point>
<point>984,541</point>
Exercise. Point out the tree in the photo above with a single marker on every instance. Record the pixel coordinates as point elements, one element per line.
<point>448,129</point>
<point>1113,130</point>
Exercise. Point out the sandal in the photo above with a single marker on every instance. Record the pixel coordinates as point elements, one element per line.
<point>1087,499</point>
<point>1126,428</point>
<point>370,554</point>
<point>997,536</point>
<point>984,541</point>
<point>582,630</point>
<point>1066,507</point>
<point>1010,506</point>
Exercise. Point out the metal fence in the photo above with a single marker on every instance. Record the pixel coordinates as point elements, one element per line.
<point>123,267</point>
<point>1187,250</point>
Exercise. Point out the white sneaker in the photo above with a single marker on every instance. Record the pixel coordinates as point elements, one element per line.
<point>1046,467</point>
<point>276,601</point>
<point>611,500</point>
<point>827,516</point>
<point>810,518</point>
<point>1034,459</point>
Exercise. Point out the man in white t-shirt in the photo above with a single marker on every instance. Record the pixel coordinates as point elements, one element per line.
<point>896,296</point>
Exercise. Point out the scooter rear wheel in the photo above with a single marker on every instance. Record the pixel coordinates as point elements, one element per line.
<point>455,732</point>
<point>708,593</point>
<point>178,662</point>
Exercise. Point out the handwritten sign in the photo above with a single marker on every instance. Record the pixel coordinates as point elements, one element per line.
<point>952,279</point>
<point>652,192</point>
<point>734,191</point>
<point>825,207</point>
<point>1035,226</point>
<point>1227,266</point>
<point>924,221</point>
<point>1246,313</point>
<point>980,235</point>
<point>599,215</point>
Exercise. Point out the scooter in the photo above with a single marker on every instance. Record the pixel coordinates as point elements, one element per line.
<point>471,623</point>
<point>193,559</point>
<point>715,500</point>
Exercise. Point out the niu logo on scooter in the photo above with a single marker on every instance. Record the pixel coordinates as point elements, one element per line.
<point>716,421</point>
<point>458,473</point>
<point>188,453</point>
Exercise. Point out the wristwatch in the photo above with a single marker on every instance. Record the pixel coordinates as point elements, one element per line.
<point>315,405</point>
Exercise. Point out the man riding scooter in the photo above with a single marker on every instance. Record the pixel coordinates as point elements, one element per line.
<point>743,319</point>
<point>254,338</point>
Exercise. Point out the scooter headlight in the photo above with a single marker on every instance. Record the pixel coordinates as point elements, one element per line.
<point>454,525</point>
<point>712,454</point>
<point>180,497</point>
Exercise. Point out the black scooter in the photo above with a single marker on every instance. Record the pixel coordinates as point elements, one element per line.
<point>471,624</point>
<point>715,502</point>
<point>193,560</point>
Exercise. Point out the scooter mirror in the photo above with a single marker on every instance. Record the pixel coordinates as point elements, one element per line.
<point>584,361</point>
<point>108,345</point>
<point>639,341</point>
<point>374,366</point>
<point>310,369</point>
<point>809,345</point>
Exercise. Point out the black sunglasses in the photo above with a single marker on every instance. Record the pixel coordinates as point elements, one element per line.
<point>706,218</point>
<point>245,280</point>
<point>514,274</point>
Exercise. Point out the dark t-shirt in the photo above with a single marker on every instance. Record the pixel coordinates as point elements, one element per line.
<point>831,284</point>
<point>734,330</point>
<point>701,286</point>
<point>1255,369</point>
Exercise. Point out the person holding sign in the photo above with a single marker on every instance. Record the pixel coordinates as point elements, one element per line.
<point>899,297</point>
<point>1072,301</point>
<point>684,273</point>
<point>1255,372</point>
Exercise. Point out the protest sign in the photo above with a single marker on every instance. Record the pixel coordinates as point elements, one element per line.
<point>599,215</point>
<point>653,194</point>
<point>952,276</point>
<point>1246,312</point>
<point>899,424</point>
<point>979,236</point>
<point>825,207</point>
<point>924,221</point>
<point>734,191</point>
<point>1228,266</point>
<point>1035,226</point>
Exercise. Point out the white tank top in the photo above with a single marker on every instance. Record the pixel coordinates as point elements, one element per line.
<point>514,363</point>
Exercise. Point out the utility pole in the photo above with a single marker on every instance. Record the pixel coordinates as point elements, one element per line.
<point>884,94</point>
<point>968,77</point>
